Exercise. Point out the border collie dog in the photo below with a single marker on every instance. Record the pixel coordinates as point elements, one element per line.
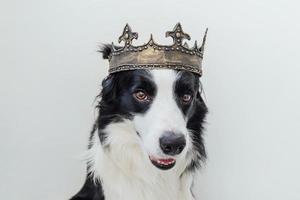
<point>147,141</point>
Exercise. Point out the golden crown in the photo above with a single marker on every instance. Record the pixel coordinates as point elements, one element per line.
<point>151,55</point>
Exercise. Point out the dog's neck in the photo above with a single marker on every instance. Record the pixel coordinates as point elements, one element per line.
<point>126,172</point>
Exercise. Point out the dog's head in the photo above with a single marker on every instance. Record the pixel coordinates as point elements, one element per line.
<point>166,111</point>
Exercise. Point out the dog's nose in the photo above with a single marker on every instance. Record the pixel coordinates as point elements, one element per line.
<point>171,143</point>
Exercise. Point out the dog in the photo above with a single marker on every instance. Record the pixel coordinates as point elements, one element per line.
<point>147,141</point>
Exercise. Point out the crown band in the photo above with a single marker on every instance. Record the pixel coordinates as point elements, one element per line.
<point>154,66</point>
<point>155,56</point>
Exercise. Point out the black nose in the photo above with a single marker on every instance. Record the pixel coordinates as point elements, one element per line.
<point>171,143</point>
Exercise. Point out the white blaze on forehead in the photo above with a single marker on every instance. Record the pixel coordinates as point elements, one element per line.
<point>164,107</point>
<point>164,114</point>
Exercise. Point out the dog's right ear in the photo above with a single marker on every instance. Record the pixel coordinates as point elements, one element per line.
<point>110,83</point>
<point>109,88</point>
<point>106,50</point>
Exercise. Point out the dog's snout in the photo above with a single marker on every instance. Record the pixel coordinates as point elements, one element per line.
<point>171,143</point>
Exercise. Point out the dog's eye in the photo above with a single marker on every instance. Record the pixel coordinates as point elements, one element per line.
<point>141,96</point>
<point>186,98</point>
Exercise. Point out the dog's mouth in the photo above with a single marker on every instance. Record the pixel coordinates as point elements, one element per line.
<point>163,163</point>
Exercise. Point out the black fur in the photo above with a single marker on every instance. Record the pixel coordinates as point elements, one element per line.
<point>195,111</point>
<point>106,50</point>
<point>90,191</point>
<point>117,102</point>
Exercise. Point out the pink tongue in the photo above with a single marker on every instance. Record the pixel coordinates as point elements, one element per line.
<point>166,160</point>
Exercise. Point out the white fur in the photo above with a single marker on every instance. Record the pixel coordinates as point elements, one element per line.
<point>124,167</point>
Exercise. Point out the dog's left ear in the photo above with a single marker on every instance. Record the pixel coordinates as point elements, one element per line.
<point>199,98</point>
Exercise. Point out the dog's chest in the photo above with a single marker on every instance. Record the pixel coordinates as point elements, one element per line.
<point>124,188</point>
<point>122,185</point>
<point>137,190</point>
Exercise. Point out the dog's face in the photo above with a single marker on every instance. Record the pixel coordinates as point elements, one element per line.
<point>165,108</point>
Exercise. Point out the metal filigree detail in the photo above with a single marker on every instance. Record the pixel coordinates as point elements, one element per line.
<point>177,34</point>
<point>128,36</point>
<point>203,41</point>
<point>153,66</point>
<point>152,55</point>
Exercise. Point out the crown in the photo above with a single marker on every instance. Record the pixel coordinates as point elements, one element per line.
<point>151,55</point>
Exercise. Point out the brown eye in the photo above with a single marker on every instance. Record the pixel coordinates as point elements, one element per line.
<point>141,96</point>
<point>186,98</point>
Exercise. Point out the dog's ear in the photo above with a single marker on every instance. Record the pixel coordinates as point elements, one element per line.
<point>110,88</point>
<point>106,50</point>
<point>109,84</point>
<point>199,99</point>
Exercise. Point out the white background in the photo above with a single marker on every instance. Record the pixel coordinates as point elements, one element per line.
<point>51,72</point>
